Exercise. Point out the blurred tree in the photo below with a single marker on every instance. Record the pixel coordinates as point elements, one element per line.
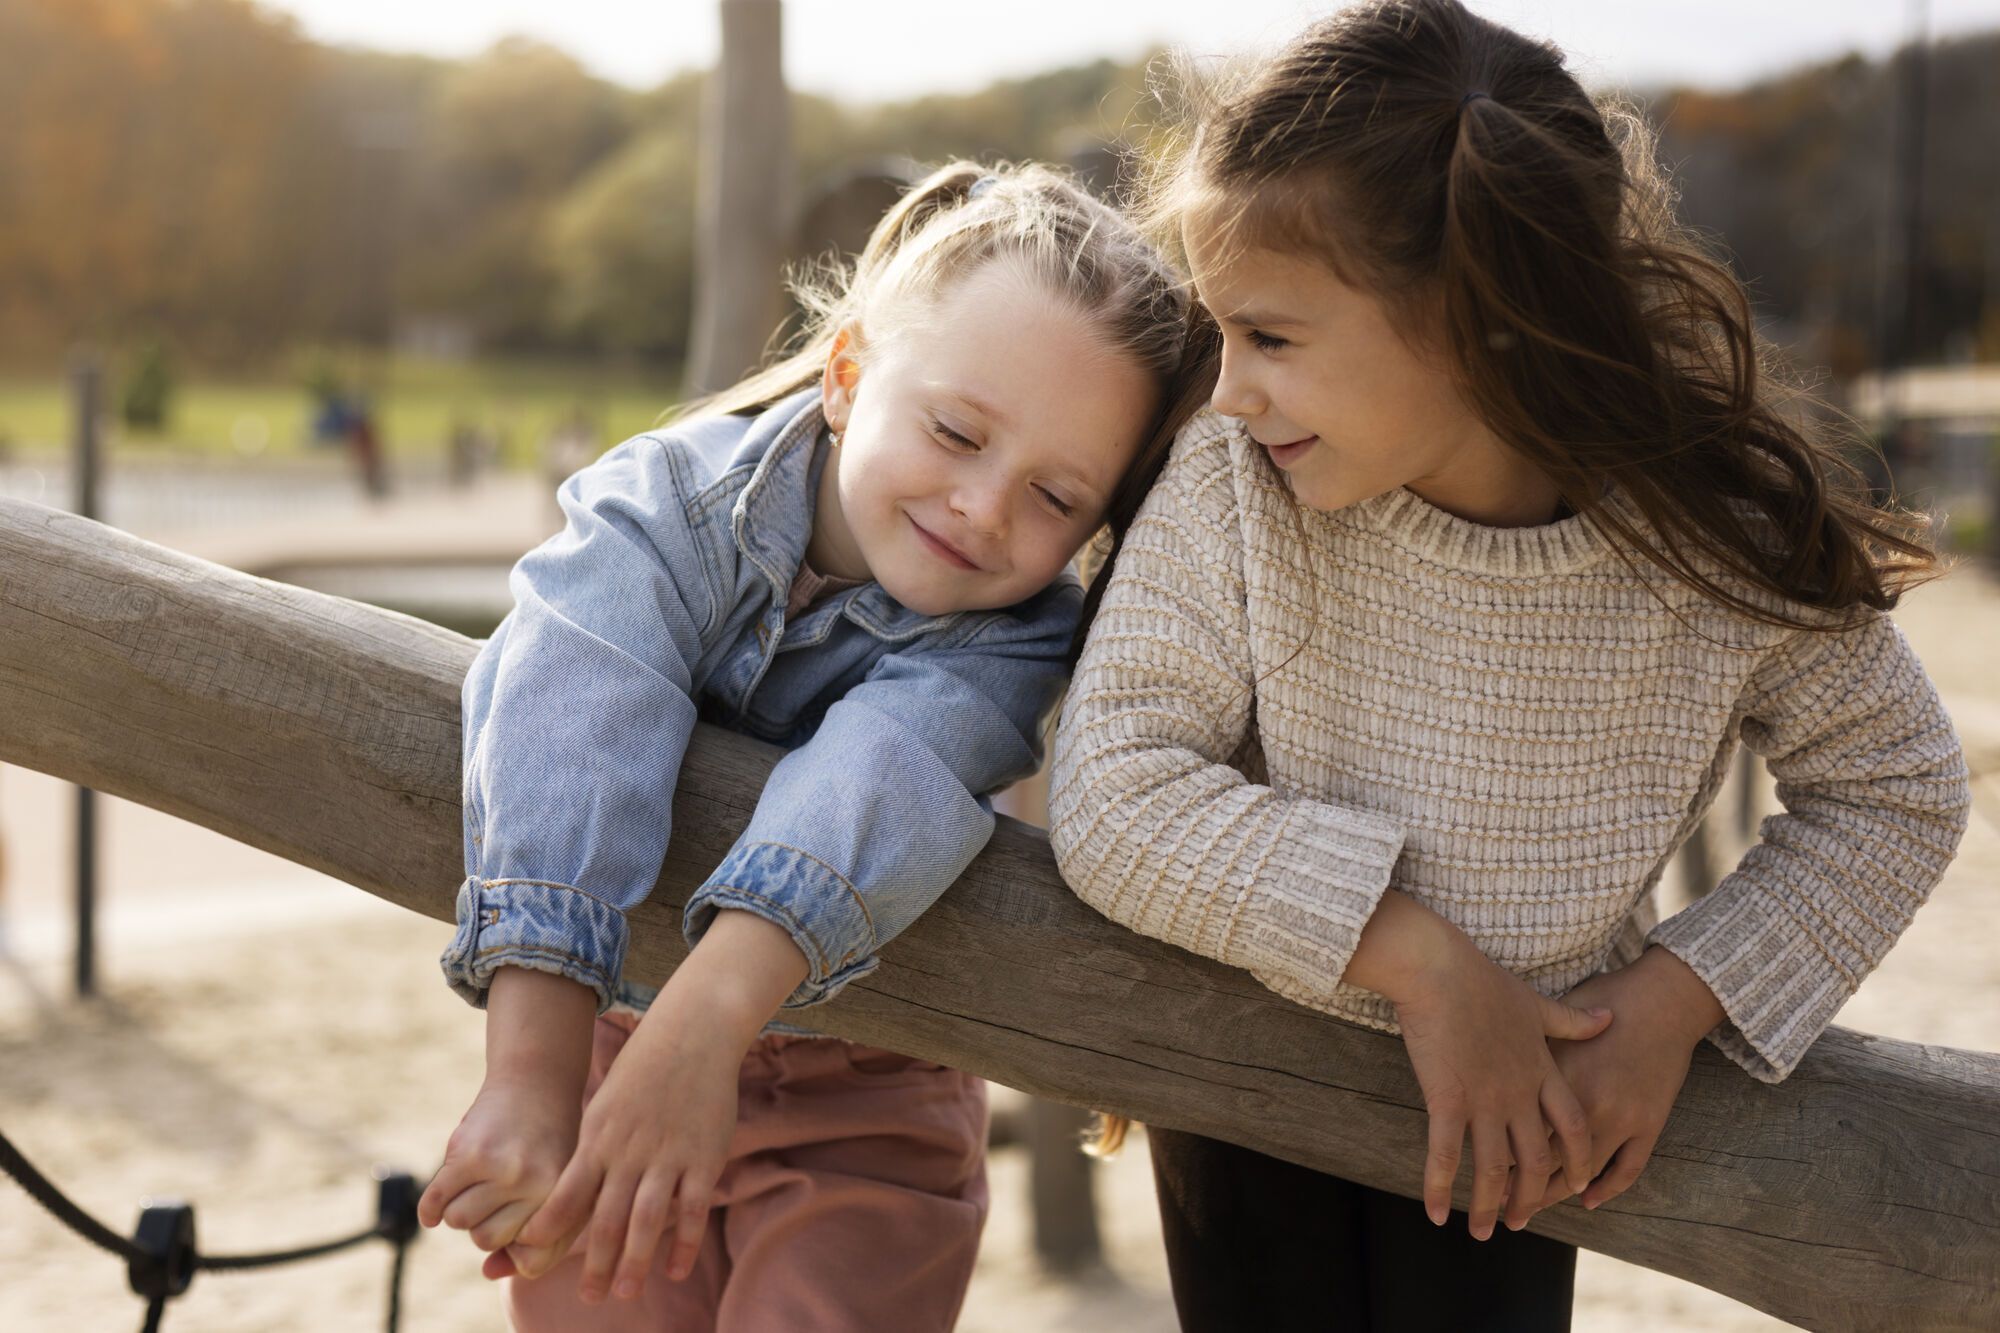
<point>198,167</point>
<point>148,392</point>
<point>509,134</point>
<point>621,249</point>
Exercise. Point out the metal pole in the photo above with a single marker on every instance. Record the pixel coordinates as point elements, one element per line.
<point>86,384</point>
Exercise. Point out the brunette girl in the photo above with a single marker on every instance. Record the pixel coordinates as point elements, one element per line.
<point>1436,638</point>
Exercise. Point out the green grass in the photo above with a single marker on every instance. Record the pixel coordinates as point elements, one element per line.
<point>417,402</point>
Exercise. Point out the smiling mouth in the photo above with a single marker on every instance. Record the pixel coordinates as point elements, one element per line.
<point>944,549</point>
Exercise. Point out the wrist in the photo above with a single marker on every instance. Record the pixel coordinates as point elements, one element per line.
<point>538,1026</point>
<point>1677,997</point>
<point>1407,952</point>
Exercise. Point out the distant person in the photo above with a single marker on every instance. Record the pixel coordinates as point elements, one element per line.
<point>1434,640</point>
<point>572,445</point>
<point>364,446</point>
<point>860,553</point>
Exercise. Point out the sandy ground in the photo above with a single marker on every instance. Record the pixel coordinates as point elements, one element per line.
<point>266,1036</point>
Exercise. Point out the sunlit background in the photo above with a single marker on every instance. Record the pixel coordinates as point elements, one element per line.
<point>335,291</point>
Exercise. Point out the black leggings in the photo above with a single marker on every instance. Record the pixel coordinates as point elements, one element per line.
<point>1255,1243</point>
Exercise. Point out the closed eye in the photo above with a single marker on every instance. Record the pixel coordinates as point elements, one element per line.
<point>1265,342</point>
<point>1056,501</point>
<point>939,429</point>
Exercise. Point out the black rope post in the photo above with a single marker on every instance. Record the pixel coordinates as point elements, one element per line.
<point>87,388</point>
<point>396,1222</point>
<point>165,1264</point>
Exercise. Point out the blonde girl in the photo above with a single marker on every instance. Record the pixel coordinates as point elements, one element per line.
<point>860,554</point>
<point>1435,640</point>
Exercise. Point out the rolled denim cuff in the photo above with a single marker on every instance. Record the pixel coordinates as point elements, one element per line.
<point>805,897</point>
<point>536,924</point>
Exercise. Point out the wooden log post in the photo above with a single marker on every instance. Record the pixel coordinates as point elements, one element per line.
<point>743,197</point>
<point>1861,1193</point>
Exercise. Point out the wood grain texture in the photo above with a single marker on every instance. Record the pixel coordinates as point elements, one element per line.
<point>1863,1192</point>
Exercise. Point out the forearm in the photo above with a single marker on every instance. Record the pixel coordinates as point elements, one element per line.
<point>734,979</point>
<point>1405,947</point>
<point>1673,996</point>
<point>538,1027</point>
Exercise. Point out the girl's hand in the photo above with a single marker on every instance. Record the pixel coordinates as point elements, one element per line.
<point>653,1143</point>
<point>1478,1038</point>
<point>503,1159</point>
<point>511,1144</point>
<point>1629,1077</point>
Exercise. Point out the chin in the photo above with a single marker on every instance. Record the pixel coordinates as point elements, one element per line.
<point>1331,493</point>
<point>924,601</point>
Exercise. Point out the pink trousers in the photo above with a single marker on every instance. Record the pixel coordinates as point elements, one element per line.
<point>853,1199</point>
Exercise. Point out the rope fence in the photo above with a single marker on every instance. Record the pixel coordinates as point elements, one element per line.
<point>161,1257</point>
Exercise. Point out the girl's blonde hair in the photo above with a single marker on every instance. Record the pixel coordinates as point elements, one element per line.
<point>951,224</point>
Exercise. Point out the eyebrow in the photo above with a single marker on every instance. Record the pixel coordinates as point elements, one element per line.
<point>1263,319</point>
<point>977,404</point>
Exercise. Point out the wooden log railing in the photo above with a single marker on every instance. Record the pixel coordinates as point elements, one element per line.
<point>1863,1192</point>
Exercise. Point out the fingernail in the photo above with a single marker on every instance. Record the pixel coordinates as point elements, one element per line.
<point>627,1289</point>
<point>1435,1214</point>
<point>1599,1011</point>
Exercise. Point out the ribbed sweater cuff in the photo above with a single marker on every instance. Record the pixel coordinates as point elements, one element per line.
<point>1299,930</point>
<point>1778,991</point>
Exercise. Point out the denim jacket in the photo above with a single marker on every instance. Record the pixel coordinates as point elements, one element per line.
<point>663,600</point>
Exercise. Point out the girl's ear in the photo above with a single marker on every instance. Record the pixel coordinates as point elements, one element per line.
<point>843,373</point>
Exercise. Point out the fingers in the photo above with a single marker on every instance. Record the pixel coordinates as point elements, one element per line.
<point>1534,1163</point>
<point>498,1229</point>
<point>1570,1127</point>
<point>1620,1171</point>
<point>1566,1022</point>
<point>533,1261</point>
<point>650,1217</point>
<point>499,1264</point>
<point>1491,1163</point>
<point>568,1207</point>
<point>605,1237</point>
<point>1447,1138</point>
<point>451,1180</point>
<point>691,1220</point>
<point>1558,1189</point>
<point>476,1204</point>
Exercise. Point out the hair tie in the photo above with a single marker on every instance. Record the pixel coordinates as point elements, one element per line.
<point>1473,96</point>
<point>982,185</point>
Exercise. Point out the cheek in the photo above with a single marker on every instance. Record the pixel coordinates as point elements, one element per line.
<point>1039,561</point>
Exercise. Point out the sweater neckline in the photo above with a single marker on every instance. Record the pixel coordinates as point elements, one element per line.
<point>1405,519</point>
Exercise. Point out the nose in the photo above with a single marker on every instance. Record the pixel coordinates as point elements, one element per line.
<point>1236,393</point>
<point>983,506</point>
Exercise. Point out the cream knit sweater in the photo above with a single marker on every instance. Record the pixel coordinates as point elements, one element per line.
<point>1283,712</point>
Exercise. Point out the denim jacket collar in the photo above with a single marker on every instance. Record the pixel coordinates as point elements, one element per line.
<point>784,485</point>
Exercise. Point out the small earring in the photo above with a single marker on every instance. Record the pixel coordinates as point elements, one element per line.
<point>833,438</point>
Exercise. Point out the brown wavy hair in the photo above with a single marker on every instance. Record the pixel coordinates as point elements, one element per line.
<point>1521,231</point>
